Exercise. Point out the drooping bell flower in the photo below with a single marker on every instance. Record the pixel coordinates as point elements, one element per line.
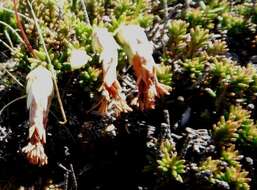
<point>39,90</point>
<point>104,44</point>
<point>139,51</point>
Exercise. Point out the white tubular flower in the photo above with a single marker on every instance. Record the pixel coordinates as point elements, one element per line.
<point>134,40</point>
<point>104,44</point>
<point>78,59</point>
<point>139,50</point>
<point>39,94</point>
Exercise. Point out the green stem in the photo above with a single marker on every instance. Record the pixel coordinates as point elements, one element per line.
<point>8,38</point>
<point>13,77</point>
<point>20,14</point>
<point>13,30</point>
<point>7,46</point>
<point>13,101</point>
<point>85,12</point>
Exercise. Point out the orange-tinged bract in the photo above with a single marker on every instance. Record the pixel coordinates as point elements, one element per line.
<point>39,94</point>
<point>139,50</point>
<point>104,44</point>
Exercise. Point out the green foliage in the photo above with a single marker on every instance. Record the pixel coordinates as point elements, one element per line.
<point>229,81</point>
<point>239,79</point>
<point>236,177</point>
<point>238,126</point>
<point>164,74</point>
<point>133,11</point>
<point>207,13</point>
<point>243,77</point>
<point>217,47</point>
<point>7,29</point>
<point>177,33</point>
<point>96,9</point>
<point>89,77</point>
<point>225,131</point>
<point>57,29</point>
<point>184,44</point>
<point>210,165</point>
<point>222,69</point>
<point>235,24</point>
<point>83,33</point>
<point>170,164</point>
<point>120,11</point>
<point>231,156</point>
<point>220,15</point>
<point>194,66</point>
<point>199,38</point>
<point>7,17</point>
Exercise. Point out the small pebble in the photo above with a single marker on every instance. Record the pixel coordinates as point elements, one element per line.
<point>249,161</point>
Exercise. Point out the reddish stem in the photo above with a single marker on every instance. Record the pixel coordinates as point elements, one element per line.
<point>23,34</point>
